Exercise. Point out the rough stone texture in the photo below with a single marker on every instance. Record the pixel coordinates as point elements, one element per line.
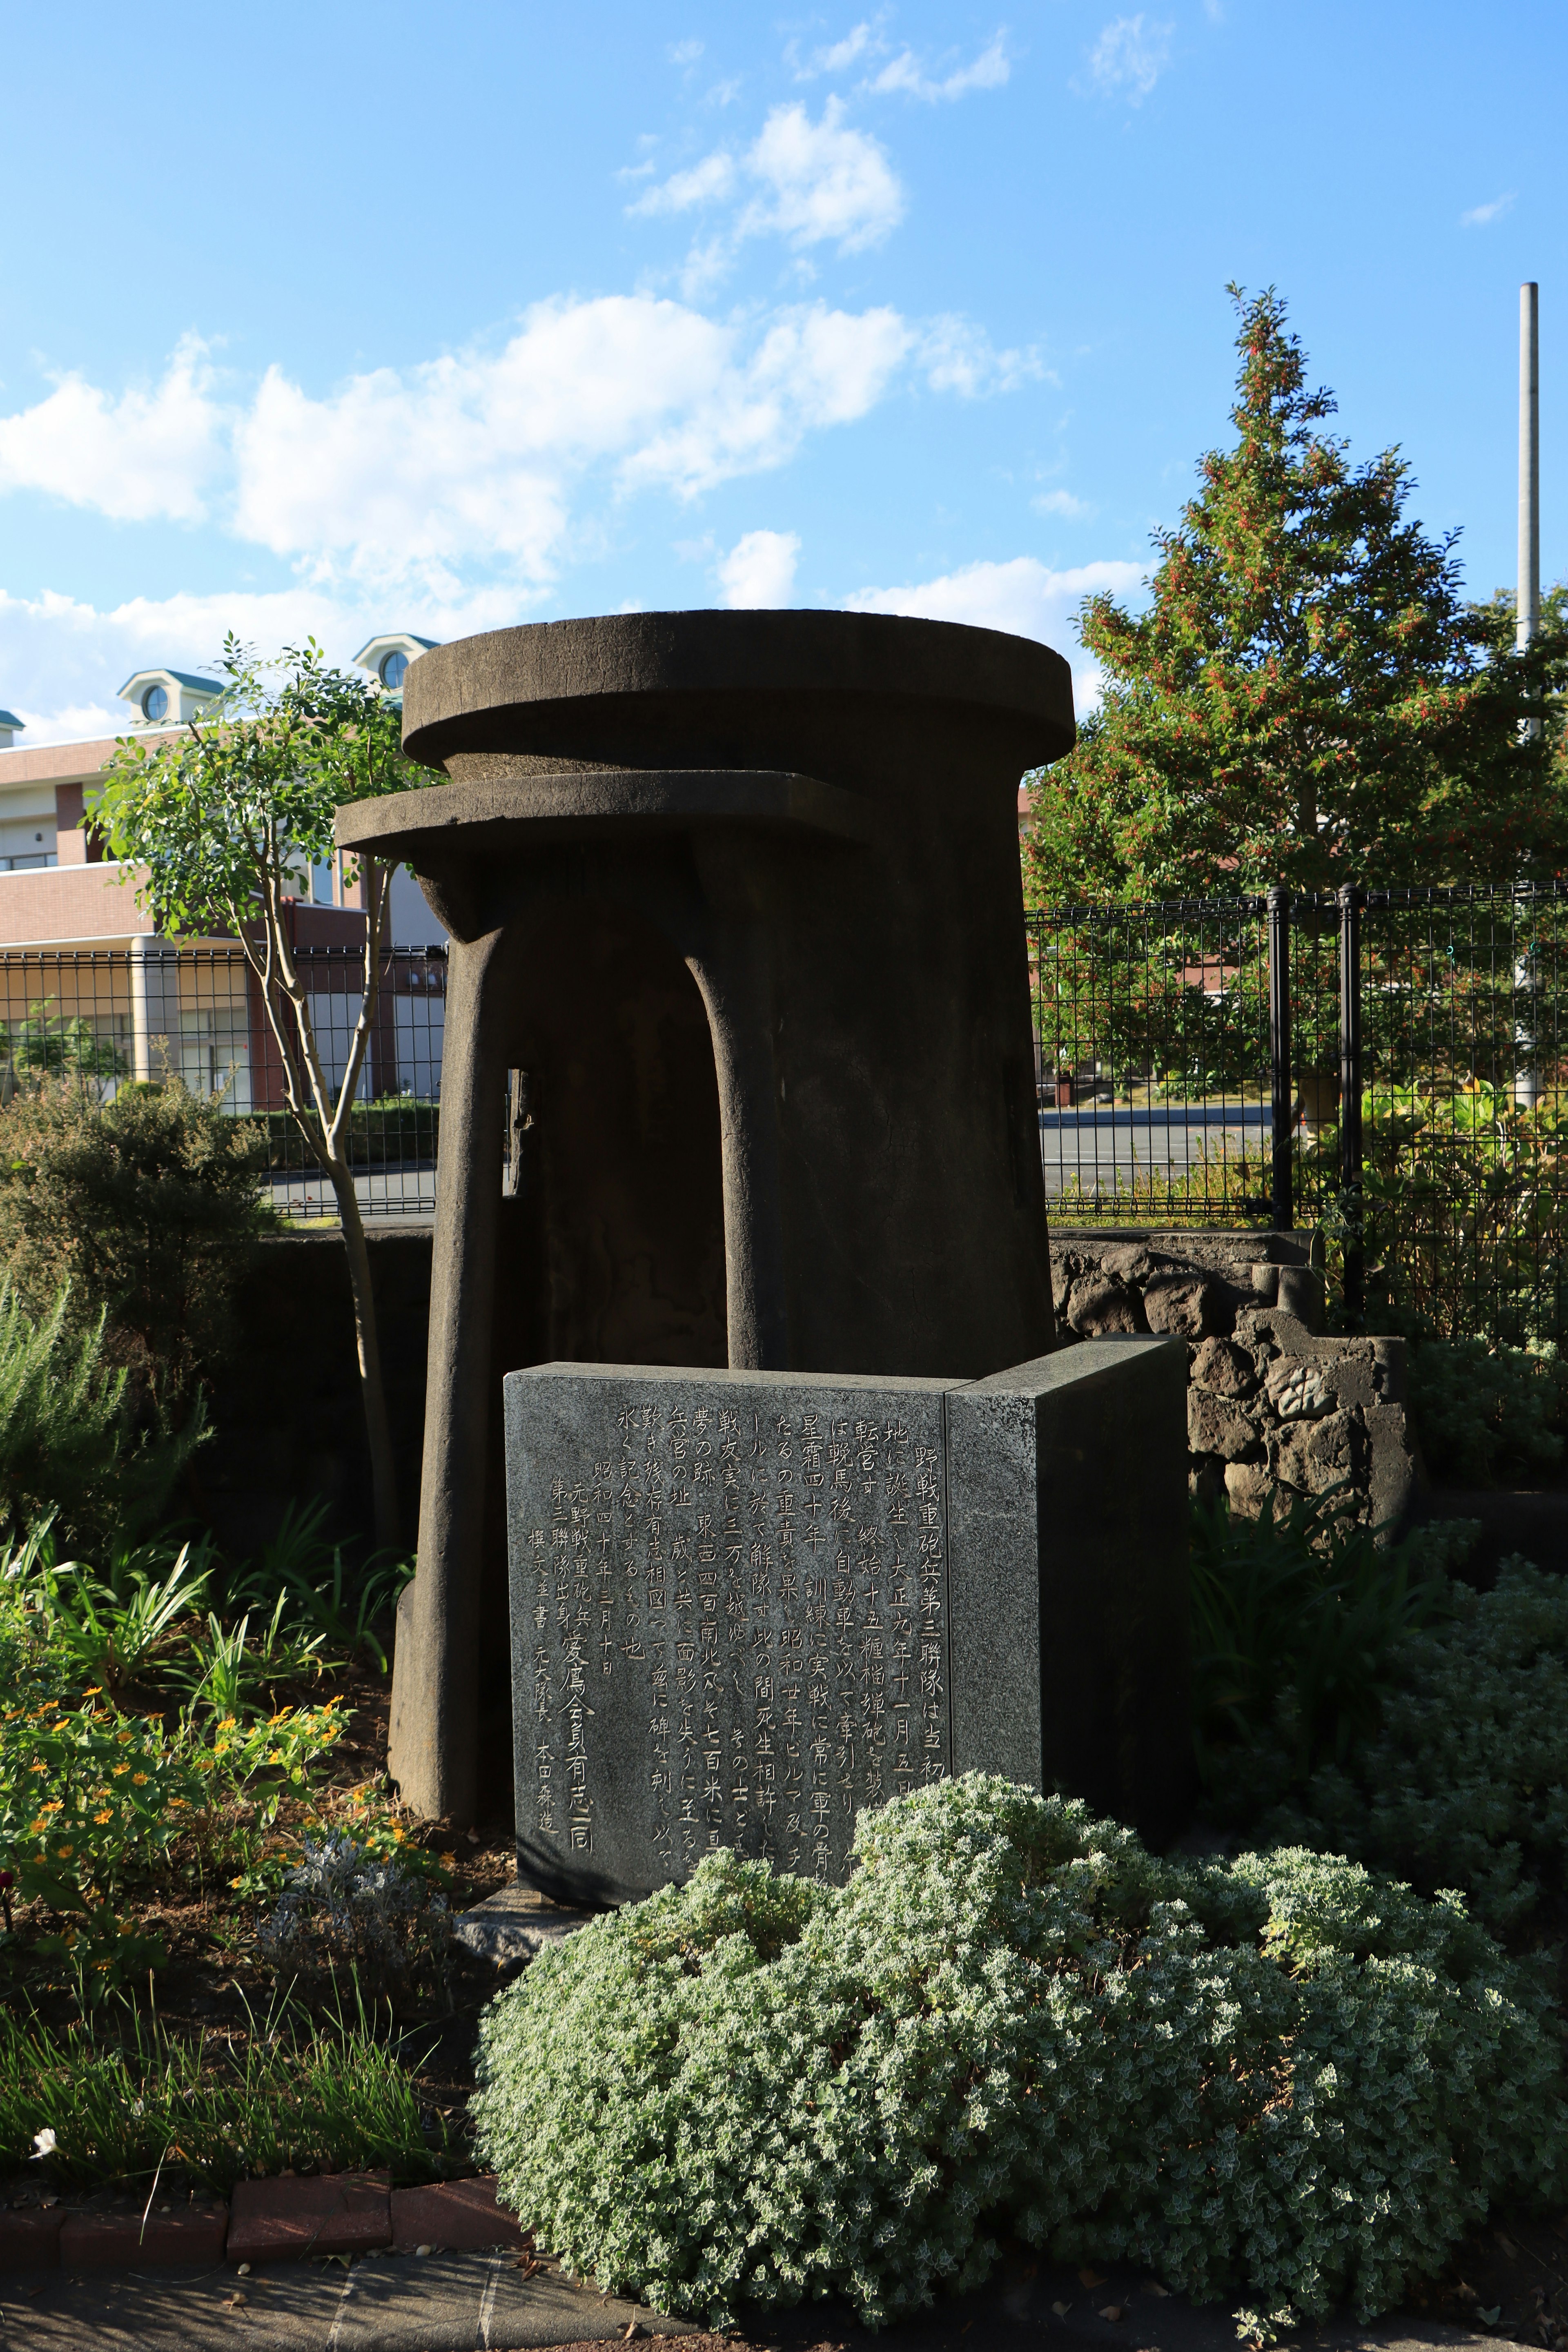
<point>1274,1407</point>
<point>699,872</point>
<point>514,1925</point>
<point>1100,1308</point>
<point>1180,1304</point>
<point>327,2213</point>
<point>452,2216</point>
<point>744,1605</point>
<point>1227,1369</point>
<point>1215,1425</point>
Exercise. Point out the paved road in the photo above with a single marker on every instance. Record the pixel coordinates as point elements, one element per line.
<point>408,1193</point>
<point>1101,1147</point>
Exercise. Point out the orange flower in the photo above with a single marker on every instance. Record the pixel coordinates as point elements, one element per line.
<point>103,1816</point>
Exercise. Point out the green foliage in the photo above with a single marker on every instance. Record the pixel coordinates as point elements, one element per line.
<point>246,800</point>
<point>1464,1780</point>
<point>300,1572</point>
<point>324,2099</point>
<point>52,1044</point>
<point>346,1911</point>
<point>1486,1412</point>
<point>1283,2080</point>
<point>1297,1624</point>
<point>216,824</point>
<point>65,1447</point>
<point>142,1206</point>
<point>1308,694</point>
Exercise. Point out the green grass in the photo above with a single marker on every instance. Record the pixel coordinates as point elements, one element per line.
<point>313,2097</point>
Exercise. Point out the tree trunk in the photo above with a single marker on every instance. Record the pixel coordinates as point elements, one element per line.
<point>373,1392</point>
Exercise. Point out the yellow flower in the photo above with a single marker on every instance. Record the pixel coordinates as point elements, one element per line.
<point>139,1780</point>
<point>96,1692</point>
<point>37,1829</point>
<point>119,1769</point>
<point>228,1722</point>
<point>103,1816</point>
<point>64,1852</point>
<point>38,1768</point>
<point>237,1882</point>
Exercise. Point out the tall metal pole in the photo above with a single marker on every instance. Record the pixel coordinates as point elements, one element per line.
<point>1349,1102</point>
<point>1527,608</point>
<point>1281,1083</point>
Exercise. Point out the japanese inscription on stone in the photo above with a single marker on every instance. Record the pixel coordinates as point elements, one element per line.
<point>730,1616</point>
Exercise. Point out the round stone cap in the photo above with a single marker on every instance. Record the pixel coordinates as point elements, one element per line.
<point>703,682</point>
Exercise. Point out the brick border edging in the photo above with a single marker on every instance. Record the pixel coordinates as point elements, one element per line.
<point>285,2219</point>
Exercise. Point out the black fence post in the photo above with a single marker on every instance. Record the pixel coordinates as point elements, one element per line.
<point>1350,1101</point>
<point>1282,1204</point>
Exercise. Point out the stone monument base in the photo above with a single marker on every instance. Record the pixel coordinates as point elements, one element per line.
<point>745,1604</point>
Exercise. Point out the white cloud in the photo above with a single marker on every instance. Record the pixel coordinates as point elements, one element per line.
<point>905,73</point>
<point>1483,216</point>
<point>959,356</point>
<point>704,183</point>
<point>684,53</point>
<point>822,181</point>
<point>814,367</point>
<point>1061,503</point>
<point>864,40</point>
<point>1023,597</point>
<point>145,455</point>
<point>69,658</point>
<point>1130,57</point>
<point>812,184</point>
<point>759,570</point>
<point>408,476</point>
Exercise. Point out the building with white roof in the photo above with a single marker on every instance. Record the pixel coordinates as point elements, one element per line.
<point>80,957</point>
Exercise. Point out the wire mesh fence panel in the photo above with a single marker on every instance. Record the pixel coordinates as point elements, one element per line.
<point>105,1019</point>
<point>1465,1106</point>
<point>1152,1061</point>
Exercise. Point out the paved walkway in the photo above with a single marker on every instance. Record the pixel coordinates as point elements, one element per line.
<point>480,2303</point>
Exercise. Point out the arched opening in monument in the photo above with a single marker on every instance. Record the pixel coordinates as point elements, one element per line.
<point>616,1187</point>
<point>610,1247</point>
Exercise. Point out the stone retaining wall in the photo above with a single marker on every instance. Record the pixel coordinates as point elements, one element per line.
<point>1274,1407</point>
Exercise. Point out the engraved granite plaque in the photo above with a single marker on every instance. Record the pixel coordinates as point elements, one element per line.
<point>746,1604</point>
<point>730,1616</point>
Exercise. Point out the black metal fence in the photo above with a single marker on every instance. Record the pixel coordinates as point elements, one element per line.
<point>113,1016</point>
<point>1385,1066</point>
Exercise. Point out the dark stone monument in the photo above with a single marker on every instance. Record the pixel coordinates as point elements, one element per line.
<point>745,1604</point>
<point>739,1062</point>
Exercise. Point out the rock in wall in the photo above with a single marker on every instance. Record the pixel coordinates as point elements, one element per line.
<point>1274,1406</point>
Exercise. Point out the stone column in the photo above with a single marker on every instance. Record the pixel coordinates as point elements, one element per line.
<point>155,1007</point>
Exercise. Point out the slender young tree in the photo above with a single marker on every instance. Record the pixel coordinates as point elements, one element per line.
<point>1308,696</point>
<point>216,826</point>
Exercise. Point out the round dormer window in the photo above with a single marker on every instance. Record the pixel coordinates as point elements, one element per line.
<point>393,668</point>
<point>155,704</point>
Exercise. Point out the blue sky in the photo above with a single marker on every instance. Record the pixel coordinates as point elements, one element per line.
<point>345,317</point>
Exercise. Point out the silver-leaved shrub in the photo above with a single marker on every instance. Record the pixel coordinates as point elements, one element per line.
<point>1280,2080</point>
<point>1464,1781</point>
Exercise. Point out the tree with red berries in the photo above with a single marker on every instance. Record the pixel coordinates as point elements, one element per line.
<point>1308,698</point>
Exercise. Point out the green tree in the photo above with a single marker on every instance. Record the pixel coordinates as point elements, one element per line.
<point>1307,698</point>
<point>139,1210</point>
<point>224,820</point>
